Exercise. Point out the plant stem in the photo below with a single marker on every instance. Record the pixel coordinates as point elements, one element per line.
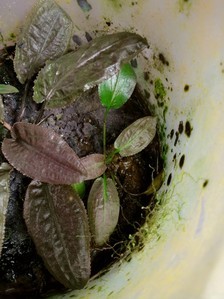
<point>23,102</point>
<point>105,131</point>
<point>6,125</point>
<point>111,156</point>
<point>41,112</point>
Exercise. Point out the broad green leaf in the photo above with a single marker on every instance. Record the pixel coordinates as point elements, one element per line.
<point>115,91</point>
<point>136,137</point>
<point>43,155</point>
<point>4,89</point>
<point>4,198</point>
<point>45,35</point>
<point>95,165</point>
<point>57,222</point>
<point>103,211</point>
<point>62,80</point>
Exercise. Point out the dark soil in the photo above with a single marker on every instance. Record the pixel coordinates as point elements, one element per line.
<point>22,273</point>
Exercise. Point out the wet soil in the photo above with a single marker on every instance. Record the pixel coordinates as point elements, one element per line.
<point>22,273</point>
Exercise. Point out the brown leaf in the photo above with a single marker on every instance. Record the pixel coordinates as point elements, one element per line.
<point>63,79</point>
<point>103,209</point>
<point>57,222</point>
<point>45,35</point>
<point>43,155</point>
<point>94,165</point>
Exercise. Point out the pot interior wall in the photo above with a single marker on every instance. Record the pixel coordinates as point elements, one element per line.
<point>185,62</point>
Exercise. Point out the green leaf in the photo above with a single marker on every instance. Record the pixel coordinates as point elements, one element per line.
<point>103,211</point>
<point>115,91</point>
<point>57,222</point>
<point>62,80</point>
<point>4,198</point>
<point>4,89</point>
<point>136,137</point>
<point>45,35</point>
<point>80,189</point>
<point>43,155</point>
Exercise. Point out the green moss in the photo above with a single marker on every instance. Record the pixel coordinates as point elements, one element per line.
<point>116,4</point>
<point>12,37</point>
<point>185,6</point>
<point>99,289</point>
<point>159,89</point>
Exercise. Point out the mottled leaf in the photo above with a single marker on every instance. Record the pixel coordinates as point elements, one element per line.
<point>4,89</point>
<point>57,222</point>
<point>4,198</point>
<point>103,209</point>
<point>61,80</point>
<point>95,165</point>
<point>43,155</point>
<point>115,91</point>
<point>45,35</point>
<point>136,137</point>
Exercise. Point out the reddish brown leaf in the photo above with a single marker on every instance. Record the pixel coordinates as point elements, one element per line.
<point>57,222</point>
<point>94,165</point>
<point>43,155</point>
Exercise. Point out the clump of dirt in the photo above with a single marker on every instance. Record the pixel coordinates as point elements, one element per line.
<point>22,272</point>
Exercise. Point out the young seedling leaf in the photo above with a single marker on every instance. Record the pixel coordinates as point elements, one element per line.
<point>43,155</point>
<point>4,89</point>
<point>57,222</point>
<point>95,166</point>
<point>103,211</point>
<point>4,198</point>
<point>115,91</point>
<point>62,80</point>
<point>136,137</point>
<point>45,35</point>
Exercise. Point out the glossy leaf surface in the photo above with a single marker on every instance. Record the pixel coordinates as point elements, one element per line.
<point>115,91</point>
<point>4,198</point>
<point>136,137</point>
<point>4,89</point>
<point>103,211</point>
<point>43,155</point>
<point>58,224</point>
<point>62,80</point>
<point>45,35</point>
<point>95,165</point>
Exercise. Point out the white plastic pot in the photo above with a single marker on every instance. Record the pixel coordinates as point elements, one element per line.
<point>183,256</point>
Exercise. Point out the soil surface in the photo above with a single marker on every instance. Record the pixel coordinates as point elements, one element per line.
<point>22,273</point>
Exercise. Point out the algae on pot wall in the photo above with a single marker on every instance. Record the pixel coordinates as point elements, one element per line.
<point>183,248</point>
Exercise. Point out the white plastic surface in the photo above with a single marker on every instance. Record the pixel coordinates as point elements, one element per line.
<point>183,255</point>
